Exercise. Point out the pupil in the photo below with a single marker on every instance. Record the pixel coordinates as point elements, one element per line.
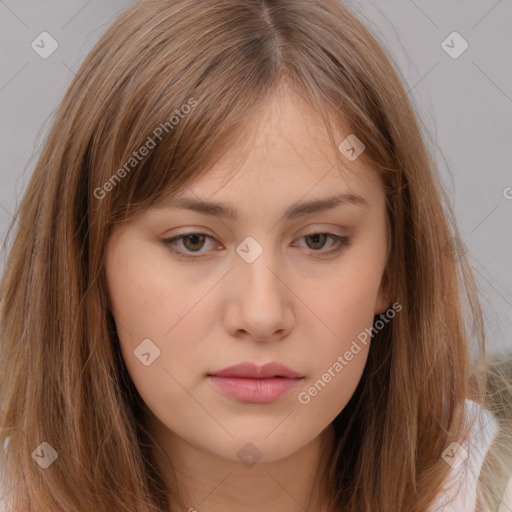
<point>194,239</point>
<point>315,238</point>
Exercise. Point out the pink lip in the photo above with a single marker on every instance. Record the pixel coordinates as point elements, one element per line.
<point>252,371</point>
<point>256,384</point>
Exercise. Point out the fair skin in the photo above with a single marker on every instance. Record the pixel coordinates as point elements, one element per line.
<point>294,304</point>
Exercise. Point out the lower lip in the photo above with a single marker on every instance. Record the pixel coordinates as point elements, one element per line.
<point>256,391</point>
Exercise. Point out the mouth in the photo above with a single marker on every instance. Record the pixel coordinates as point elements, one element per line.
<point>249,383</point>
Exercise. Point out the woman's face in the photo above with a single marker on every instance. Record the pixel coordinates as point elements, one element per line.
<point>264,288</point>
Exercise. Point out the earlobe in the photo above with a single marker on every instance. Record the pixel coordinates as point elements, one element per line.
<point>383,301</point>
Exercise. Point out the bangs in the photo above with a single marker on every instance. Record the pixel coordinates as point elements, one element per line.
<point>167,152</point>
<point>171,114</point>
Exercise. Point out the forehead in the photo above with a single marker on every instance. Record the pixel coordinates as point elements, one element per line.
<point>286,148</point>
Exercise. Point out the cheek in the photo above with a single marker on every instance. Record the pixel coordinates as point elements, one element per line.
<point>345,300</point>
<point>151,300</point>
<point>340,356</point>
<point>345,305</point>
<point>326,395</point>
<point>148,295</point>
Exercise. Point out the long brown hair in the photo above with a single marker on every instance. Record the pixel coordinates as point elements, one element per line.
<point>187,75</point>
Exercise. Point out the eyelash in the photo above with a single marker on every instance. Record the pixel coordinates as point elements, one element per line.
<point>342,241</point>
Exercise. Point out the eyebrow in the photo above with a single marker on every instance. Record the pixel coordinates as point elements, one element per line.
<point>293,212</point>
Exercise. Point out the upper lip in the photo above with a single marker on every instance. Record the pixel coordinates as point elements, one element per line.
<point>252,371</point>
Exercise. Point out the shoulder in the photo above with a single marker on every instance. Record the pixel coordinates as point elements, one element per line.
<point>466,460</point>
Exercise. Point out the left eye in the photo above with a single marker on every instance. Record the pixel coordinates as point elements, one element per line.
<point>194,242</point>
<point>318,241</point>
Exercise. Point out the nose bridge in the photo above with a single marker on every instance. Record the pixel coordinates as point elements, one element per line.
<point>256,263</point>
<point>260,298</point>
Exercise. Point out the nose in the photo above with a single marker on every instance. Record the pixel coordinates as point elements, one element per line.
<point>260,305</point>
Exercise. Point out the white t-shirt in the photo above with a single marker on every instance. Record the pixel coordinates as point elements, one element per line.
<point>466,462</point>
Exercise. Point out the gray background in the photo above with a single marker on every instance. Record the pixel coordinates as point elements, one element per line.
<point>465,105</point>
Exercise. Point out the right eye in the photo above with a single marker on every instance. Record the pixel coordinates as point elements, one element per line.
<point>192,243</point>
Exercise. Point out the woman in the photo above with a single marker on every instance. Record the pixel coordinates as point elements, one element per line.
<point>292,335</point>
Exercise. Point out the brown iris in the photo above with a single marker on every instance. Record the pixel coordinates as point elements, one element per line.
<point>317,238</point>
<point>194,239</point>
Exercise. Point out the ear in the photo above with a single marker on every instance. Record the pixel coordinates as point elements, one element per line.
<point>383,300</point>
